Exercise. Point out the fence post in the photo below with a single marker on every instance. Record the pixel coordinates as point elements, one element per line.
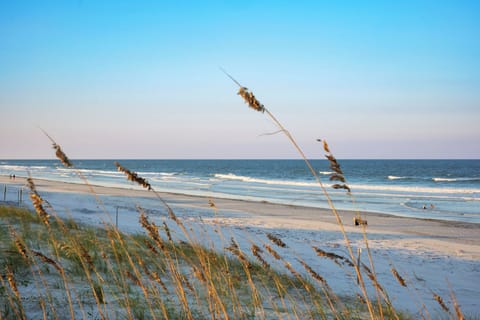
<point>116,218</point>
<point>5,193</point>
<point>20,194</point>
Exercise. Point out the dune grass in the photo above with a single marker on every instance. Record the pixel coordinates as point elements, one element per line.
<point>111,275</point>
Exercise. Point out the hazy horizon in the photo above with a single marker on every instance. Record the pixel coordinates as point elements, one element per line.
<point>123,80</point>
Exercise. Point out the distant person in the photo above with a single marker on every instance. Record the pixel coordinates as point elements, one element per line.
<point>432,206</point>
<point>13,176</point>
<point>424,206</point>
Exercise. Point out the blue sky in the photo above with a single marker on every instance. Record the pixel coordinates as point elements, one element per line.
<point>141,79</point>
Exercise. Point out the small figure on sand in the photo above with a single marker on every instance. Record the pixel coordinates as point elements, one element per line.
<point>358,221</point>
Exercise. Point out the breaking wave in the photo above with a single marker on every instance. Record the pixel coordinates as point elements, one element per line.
<point>396,178</point>
<point>455,179</point>
<point>231,176</point>
<point>359,187</point>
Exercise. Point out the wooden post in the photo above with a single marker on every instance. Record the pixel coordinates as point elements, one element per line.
<point>5,193</point>
<point>21,196</point>
<point>116,218</point>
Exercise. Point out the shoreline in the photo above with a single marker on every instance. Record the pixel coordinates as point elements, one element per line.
<point>452,238</point>
<point>137,191</point>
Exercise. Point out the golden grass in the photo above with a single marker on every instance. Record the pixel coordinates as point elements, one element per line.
<point>117,274</point>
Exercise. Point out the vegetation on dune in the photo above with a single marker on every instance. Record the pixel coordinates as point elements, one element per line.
<point>112,275</point>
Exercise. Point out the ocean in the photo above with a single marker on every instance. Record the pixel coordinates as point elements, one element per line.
<point>430,189</point>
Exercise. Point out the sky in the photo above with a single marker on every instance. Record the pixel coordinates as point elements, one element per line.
<point>142,79</point>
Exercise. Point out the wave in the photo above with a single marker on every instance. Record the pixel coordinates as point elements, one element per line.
<point>115,173</point>
<point>444,179</point>
<point>90,172</point>
<point>325,172</point>
<point>93,171</point>
<point>354,187</point>
<point>232,176</point>
<point>455,179</point>
<point>435,179</point>
<point>396,178</point>
<point>165,174</point>
<point>415,189</point>
<point>364,187</point>
<point>21,168</point>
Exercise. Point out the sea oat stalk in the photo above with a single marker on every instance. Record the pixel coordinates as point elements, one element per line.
<point>441,303</point>
<point>263,109</point>
<point>397,276</point>
<point>132,176</point>
<point>59,152</point>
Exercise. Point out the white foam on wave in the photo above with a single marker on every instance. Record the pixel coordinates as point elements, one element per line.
<point>180,181</point>
<point>444,179</point>
<point>21,168</point>
<point>231,176</point>
<point>100,172</point>
<point>466,179</point>
<point>438,196</point>
<point>436,179</point>
<point>415,189</point>
<point>168,174</point>
<point>395,178</point>
<point>91,172</point>
<point>364,187</point>
<point>165,174</point>
<point>325,172</point>
<point>113,173</point>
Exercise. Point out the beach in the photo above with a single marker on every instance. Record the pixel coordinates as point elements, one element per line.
<point>430,255</point>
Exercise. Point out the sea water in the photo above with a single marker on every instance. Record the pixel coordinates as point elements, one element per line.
<point>431,189</point>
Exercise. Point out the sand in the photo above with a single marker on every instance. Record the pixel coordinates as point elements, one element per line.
<point>430,254</point>
<point>443,237</point>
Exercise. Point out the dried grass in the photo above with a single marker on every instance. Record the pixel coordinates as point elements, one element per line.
<point>441,303</point>
<point>397,276</point>
<point>276,240</point>
<point>134,177</point>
